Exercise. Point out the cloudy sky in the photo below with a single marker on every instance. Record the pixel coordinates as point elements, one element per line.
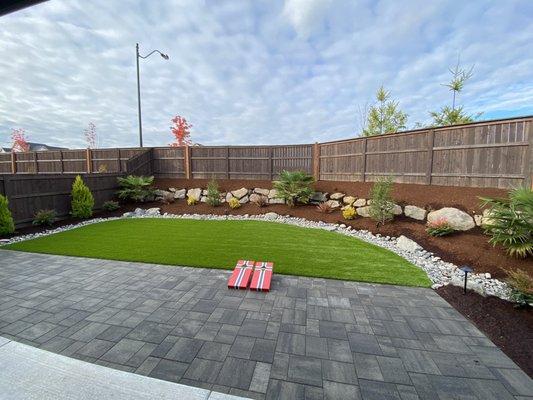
<point>251,71</point>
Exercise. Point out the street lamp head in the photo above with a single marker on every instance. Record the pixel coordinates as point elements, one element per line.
<point>165,56</point>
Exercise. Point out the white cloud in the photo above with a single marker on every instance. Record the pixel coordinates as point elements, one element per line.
<point>252,71</point>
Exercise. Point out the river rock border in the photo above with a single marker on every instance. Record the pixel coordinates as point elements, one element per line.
<point>440,272</point>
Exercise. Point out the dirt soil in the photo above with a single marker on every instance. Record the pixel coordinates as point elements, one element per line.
<point>510,328</point>
<point>471,248</point>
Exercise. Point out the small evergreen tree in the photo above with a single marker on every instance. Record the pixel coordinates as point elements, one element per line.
<point>6,220</point>
<point>384,116</point>
<point>382,202</point>
<point>213,194</point>
<point>82,199</point>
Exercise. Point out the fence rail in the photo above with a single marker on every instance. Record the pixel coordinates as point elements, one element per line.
<point>483,154</point>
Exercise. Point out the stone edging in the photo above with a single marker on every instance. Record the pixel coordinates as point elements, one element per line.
<point>440,272</point>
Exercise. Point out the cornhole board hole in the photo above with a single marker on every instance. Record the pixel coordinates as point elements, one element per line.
<point>262,276</point>
<point>240,278</point>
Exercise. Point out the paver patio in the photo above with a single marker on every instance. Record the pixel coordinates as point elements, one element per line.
<point>308,338</point>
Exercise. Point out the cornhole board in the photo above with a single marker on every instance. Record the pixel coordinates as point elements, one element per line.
<point>262,276</point>
<point>240,278</point>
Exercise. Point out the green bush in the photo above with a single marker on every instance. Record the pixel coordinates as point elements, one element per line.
<point>521,287</point>
<point>294,187</point>
<point>510,222</point>
<point>213,194</point>
<point>6,220</point>
<point>382,202</point>
<point>136,188</point>
<point>111,205</point>
<point>44,217</point>
<point>82,199</point>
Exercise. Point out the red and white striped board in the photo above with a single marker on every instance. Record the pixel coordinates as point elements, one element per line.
<point>262,276</point>
<point>240,278</point>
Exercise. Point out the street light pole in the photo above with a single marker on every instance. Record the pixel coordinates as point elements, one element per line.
<point>137,56</point>
<point>139,97</point>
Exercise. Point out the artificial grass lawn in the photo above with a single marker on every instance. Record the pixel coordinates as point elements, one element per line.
<point>219,244</point>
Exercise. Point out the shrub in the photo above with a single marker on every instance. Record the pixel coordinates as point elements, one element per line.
<point>294,187</point>
<point>6,220</point>
<point>234,203</point>
<point>522,287</point>
<point>44,217</point>
<point>439,227</point>
<point>260,201</point>
<point>510,222</point>
<point>111,205</point>
<point>325,207</point>
<point>382,202</point>
<point>135,188</point>
<point>82,199</point>
<point>213,194</point>
<point>349,212</point>
<point>191,200</point>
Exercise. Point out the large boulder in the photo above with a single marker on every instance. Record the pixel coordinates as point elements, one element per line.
<point>415,212</point>
<point>195,193</point>
<point>254,197</point>
<point>458,220</point>
<point>240,193</point>
<point>406,244</point>
<point>272,193</point>
<point>180,193</point>
<point>262,192</point>
<point>359,203</point>
<point>363,211</point>
<point>244,200</point>
<point>337,196</point>
<point>333,203</point>
<point>397,210</point>
<point>349,200</point>
<point>318,197</point>
<point>229,196</point>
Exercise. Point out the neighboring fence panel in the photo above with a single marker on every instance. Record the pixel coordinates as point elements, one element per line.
<point>28,193</point>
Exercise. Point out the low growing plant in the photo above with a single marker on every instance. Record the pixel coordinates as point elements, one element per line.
<point>522,287</point>
<point>7,225</point>
<point>510,222</point>
<point>234,203</point>
<point>44,217</point>
<point>135,188</point>
<point>439,227</point>
<point>213,194</point>
<point>82,199</point>
<point>382,202</point>
<point>325,207</point>
<point>349,212</point>
<point>294,187</point>
<point>191,200</point>
<point>111,205</point>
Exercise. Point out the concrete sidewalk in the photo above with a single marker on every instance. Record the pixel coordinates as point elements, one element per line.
<point>30,373</point>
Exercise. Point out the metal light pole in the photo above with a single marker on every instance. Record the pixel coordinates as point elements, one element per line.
<point>137,56</point>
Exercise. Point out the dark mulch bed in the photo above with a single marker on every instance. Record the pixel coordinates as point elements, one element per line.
<point>510,328</point>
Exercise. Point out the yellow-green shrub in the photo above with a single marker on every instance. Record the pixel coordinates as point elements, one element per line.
<point>82,199</point>
<point>6,220</point>
<point>234,203</point>
<point>349,212</point>
<point>191,200</point>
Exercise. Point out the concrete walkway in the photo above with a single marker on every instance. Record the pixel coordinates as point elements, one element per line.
<point>306,339</point>
<point>30,373</point>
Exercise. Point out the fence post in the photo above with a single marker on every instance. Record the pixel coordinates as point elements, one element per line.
<point>13,162</point>
<point>363,172</point>
<point>271,162</point>
<point>429,168</point>
<point>227,162</point>
<point>187,160</point>
<point>528,160</point>
<point>316,161</point>
<point>88,157</point>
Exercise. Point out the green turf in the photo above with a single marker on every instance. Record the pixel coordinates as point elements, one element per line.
<point>219,244</point>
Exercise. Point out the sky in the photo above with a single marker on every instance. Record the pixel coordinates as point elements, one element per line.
<point>254,71</point>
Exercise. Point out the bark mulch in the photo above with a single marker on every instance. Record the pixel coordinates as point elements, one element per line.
<point>510,328</point>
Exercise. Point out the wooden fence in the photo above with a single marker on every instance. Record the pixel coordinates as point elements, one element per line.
<point>484,154</point>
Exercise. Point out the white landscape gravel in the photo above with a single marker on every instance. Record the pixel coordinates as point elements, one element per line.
<point>439,272</point>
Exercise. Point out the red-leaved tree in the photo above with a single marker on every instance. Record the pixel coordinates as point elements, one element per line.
<point>181,131</point>
<point>90,136</point>
<point>20,142</point>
